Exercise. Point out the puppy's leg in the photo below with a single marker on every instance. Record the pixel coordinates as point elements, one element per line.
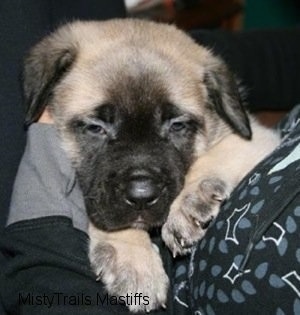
<point>127,262</point>
<point>209,182</point>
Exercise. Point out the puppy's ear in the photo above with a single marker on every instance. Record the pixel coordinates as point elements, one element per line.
<point>224,97</point>
<point>45,65</point>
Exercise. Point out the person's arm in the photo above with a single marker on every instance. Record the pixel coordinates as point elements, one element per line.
<point>45,268</point>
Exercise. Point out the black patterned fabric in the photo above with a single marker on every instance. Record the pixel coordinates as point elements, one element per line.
<point>249,260</point>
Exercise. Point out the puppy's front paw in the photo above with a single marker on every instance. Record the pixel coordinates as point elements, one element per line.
<point>131,269</point>
<point>191,214</point>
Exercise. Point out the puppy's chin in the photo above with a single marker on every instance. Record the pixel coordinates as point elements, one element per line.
<point>114,214</point>
<point>142,221</point>
<point>142,224</point>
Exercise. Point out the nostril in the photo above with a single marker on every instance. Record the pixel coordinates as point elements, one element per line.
<point>152,202</point>
<point>140,201</point>
<point>130,202</point>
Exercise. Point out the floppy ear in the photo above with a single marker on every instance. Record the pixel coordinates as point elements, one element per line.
<point>44,66</point>
<point>225,98</point>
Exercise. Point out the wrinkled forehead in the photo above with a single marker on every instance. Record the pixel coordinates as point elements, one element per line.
<point>132,78</point>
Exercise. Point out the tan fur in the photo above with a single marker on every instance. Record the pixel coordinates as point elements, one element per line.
<point>227,161</point>
<point>104,55</point>
<point>105,50</point>
<point>233,157</point>
<point>129,254</point>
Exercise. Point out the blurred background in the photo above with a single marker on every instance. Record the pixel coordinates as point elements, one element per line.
<point>226,14</point>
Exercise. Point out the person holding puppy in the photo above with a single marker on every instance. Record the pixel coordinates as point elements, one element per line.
<point>44,216</point>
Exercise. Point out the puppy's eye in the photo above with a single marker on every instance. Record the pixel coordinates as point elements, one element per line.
<point>95,129</point>
<point>177,126</point>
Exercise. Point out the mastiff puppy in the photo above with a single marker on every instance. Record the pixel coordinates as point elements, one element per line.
<point>155,127</point>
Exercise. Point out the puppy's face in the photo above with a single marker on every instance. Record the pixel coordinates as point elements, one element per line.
<point>131,148</point>
<point>135,103</point>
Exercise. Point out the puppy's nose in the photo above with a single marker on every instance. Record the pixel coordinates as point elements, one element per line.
<point>142,192</point>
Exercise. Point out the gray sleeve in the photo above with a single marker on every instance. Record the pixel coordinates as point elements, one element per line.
<point>46,184</point>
